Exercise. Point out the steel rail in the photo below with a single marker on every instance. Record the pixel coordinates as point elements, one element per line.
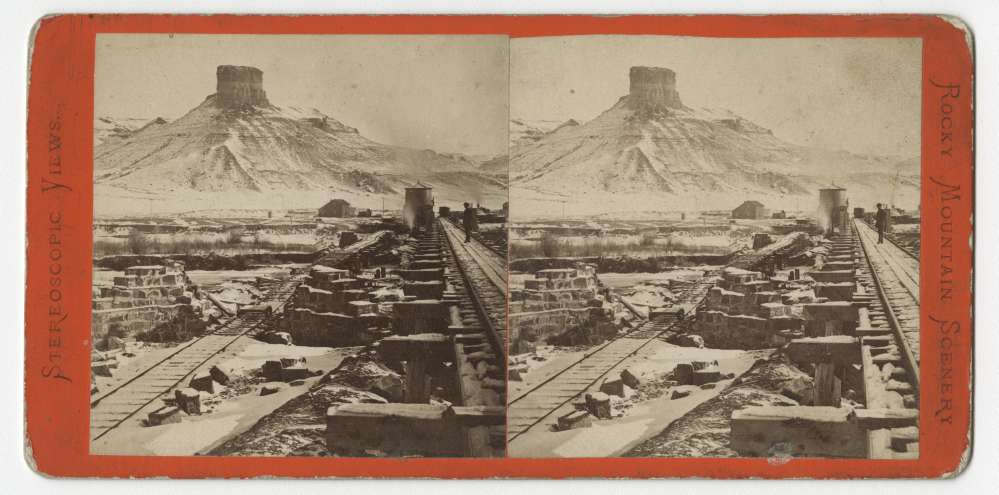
<point>492,334</point>
<point>908,359</point>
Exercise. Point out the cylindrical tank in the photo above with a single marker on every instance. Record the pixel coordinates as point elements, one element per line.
<point>418,199</point>
<point>832,208</point>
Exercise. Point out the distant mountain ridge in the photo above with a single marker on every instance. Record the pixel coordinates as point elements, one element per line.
<point>650,150</point>
<point>238,150</point>
<point>111,129</point>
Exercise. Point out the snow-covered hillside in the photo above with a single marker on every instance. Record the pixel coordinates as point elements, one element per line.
<point>259,155</point>
<point>646,154</point>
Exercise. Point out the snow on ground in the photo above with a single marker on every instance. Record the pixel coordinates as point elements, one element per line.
<point>649,290</point>
<point>208,278</point>
<point>623,280</point>
<point>541,364</point>
<point>239,293</point>
<point>253,355</point>
<point>233,411</point>
<point>649,295</point>
<point>637,417</point>
<point>105,278</point>
<point>135,358</point>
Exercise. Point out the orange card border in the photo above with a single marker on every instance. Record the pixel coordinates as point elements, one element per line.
<point>59,218</point>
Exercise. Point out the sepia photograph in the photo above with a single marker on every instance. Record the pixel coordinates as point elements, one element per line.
<point>500,247</point>
<point>714,247</point>
<point>299,245</point>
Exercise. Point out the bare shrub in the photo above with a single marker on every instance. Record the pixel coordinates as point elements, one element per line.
<point>549,245</point>
<point>233,238</point>
<point>137,242</point>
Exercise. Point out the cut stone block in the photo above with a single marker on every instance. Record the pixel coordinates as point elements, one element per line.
<point>358,308</point>
<point>835,291</point>
<point>164,415</point>
<point>683,374</point>
<point>800,390</point>
<point>832,275</point>
<point>874,419</point>
<point>204,382</point>
<point>419,316</point>
<point>629,379</point>
<point>188,400</point>
<point>513,374</point>
<point>839,266</point>
<point>272,370</point>
<point>397,429</point>
<point>575,419</point>
<point>598,404</point>
<point>612,386</point>
<point>902,437</point>
<point>802,431</point>
<point>687,340</point>
<point>425,275</point>
<point>432,289</point>
<point>293,361</point>
<point>271,388</point>
<point>281,338</point>
<point>426,264</point>
<point>101,368</point>
<point>473,416</point>
<point>296,372</point>
<point>707,375</point>
<point>842,350</point>
<point>679,394</point>
<point>429,346</point>
<point>219,375</point>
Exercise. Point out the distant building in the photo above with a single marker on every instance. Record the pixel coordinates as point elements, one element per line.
<point>364,212</point>
<point>750,210</point>
<point>779,215</point>
<point>337,208</point>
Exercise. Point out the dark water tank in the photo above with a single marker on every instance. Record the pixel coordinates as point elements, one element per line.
<point>419,199</point>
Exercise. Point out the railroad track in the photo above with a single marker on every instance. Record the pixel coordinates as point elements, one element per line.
<point>537,403</point>
<point>475,282</point>
<point>894,275</point>
<point>114,407</point>
<point>483,272</point>
<point>532,406</point>
<point>887,293</point>
<point>912,249</point>
<point>497,245</point>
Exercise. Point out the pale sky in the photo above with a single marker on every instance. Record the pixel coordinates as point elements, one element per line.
<point>446,93</point>
<point>856,94</point>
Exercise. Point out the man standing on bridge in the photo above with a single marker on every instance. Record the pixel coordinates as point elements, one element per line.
<point>468,221</point>
<point>881,223</point>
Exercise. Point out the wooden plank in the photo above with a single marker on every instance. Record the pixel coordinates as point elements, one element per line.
<point>843,350</point>
<point>879,444</point>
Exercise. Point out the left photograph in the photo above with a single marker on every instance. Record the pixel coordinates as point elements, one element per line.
<point>299,245</point>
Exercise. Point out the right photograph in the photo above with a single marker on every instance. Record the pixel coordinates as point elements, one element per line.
<point>714,247</point>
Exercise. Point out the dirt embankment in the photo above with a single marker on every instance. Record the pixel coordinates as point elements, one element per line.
<point>620,264</point>
<point>705,430</point>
